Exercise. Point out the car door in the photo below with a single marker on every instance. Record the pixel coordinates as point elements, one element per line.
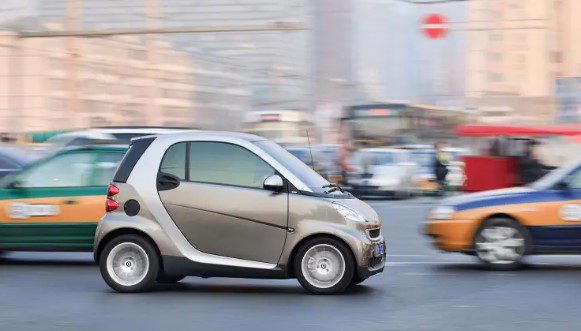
<point>52,205</point>
<point>220,204</point>
<point>562,216</point>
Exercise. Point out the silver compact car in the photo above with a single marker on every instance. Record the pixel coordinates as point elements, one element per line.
<point>217,204</point>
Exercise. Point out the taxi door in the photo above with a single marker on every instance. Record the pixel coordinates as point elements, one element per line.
<point>562,217</point>
<point>52,205</point>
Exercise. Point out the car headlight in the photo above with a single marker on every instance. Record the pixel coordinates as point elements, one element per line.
<point>442,213</point>
<point>348,213</point>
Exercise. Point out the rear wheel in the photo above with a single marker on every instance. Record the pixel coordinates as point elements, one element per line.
<point>129,263</point>
<point>501,243</point>
<point>324,266</point>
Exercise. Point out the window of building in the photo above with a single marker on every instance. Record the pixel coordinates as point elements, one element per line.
<point>494,56</point>
<point>495,77</point>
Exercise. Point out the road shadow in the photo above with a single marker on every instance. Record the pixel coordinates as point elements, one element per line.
<point>50,262</point>
<point>525,268</point>
<point>188,287</point>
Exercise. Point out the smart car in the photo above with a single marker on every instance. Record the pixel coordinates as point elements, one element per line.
<point>54,204</point>
<point>502,226</point>
<point>216,204</point>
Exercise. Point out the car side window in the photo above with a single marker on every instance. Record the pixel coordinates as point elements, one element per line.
<point>222,163</point>
<point>65,170</point>
<point>105,168</point>
<point>575,179</point>
<point>174,161</point>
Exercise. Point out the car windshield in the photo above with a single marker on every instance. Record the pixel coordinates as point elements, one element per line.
<point>303,172</point>
<point>553,177</point>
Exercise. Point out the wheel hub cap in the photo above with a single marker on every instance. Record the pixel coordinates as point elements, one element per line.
<point>323,266</point>
<point>500,244</point>
<point>127,264</point>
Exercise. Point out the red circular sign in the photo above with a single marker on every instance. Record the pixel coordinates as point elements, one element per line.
<point>434,26</point>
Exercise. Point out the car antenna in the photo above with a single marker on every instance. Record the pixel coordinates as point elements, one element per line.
<point>310,150</point>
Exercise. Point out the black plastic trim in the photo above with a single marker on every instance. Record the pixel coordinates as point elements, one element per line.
<point>136,149</point>
<point>173,265</point>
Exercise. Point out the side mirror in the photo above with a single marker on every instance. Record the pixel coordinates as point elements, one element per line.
<point>273,183</point>
<point>15,184</point>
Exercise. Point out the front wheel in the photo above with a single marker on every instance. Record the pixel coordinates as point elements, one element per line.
<point>501,244</point>
<point>129,263</point>
<point>324,266</point>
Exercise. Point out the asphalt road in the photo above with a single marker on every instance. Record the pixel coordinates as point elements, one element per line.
<point>420,290</point>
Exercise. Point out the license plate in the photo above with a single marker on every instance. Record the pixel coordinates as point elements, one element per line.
<point>379,249</point>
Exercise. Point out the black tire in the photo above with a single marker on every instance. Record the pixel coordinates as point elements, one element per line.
<point>356,280</point>
<point>521,235</point>
<point>349,263</point>
<point>150,274</point>
<point>169,279</point>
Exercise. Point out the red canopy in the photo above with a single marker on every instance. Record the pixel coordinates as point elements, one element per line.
<point>530,131</point>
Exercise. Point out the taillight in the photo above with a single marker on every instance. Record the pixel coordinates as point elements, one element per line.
<point>111,205</point>
<point>112,190</point>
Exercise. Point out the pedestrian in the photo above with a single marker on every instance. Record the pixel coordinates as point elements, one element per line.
<point>441,168</point>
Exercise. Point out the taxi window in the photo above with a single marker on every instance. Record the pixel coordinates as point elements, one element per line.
<point>65,170</point>
<point>105,168</point>
<point>575,179</point>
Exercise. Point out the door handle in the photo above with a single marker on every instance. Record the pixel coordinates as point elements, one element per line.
<point>167,182</point>
<point>70,201</point>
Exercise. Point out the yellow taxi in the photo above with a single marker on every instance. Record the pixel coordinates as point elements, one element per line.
<point>501,226</point>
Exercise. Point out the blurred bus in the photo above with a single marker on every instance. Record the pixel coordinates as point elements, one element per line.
<point>285,127</point>
<point>398,124</point>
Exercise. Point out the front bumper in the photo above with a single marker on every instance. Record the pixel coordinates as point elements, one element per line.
<point>373,263</point>
<point>451,235</point>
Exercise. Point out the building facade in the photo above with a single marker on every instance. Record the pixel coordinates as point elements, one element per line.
<point>45,84</point>
<point>517,51</point>
<point>278,61</point>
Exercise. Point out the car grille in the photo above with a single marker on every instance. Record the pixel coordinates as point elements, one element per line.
<point>374,233</point>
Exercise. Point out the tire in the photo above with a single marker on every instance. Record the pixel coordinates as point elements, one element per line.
<point>165,279</point>
<point>501,244</point>
<point>134,255</point>
<point>356,280</point>
<point>332,266</point>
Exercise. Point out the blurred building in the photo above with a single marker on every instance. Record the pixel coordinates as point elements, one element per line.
<point>278,61</point>
<point>517,51</point>
<point>115,83</point>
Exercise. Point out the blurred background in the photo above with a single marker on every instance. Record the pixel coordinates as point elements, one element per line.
<point>338,75</point>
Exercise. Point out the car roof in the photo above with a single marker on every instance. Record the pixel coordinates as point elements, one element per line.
<point>95,148</point>
<point>204,134</point>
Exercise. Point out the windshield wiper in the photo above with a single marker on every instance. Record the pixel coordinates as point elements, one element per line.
<point>332,188</point>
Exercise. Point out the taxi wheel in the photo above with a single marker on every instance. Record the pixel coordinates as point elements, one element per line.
<point>324,266</point>
<point>129,263</point>
<point>501,243</point>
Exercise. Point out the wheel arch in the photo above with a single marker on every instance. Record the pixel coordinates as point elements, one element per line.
<point>125,231</point>
<point>293,254</point>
